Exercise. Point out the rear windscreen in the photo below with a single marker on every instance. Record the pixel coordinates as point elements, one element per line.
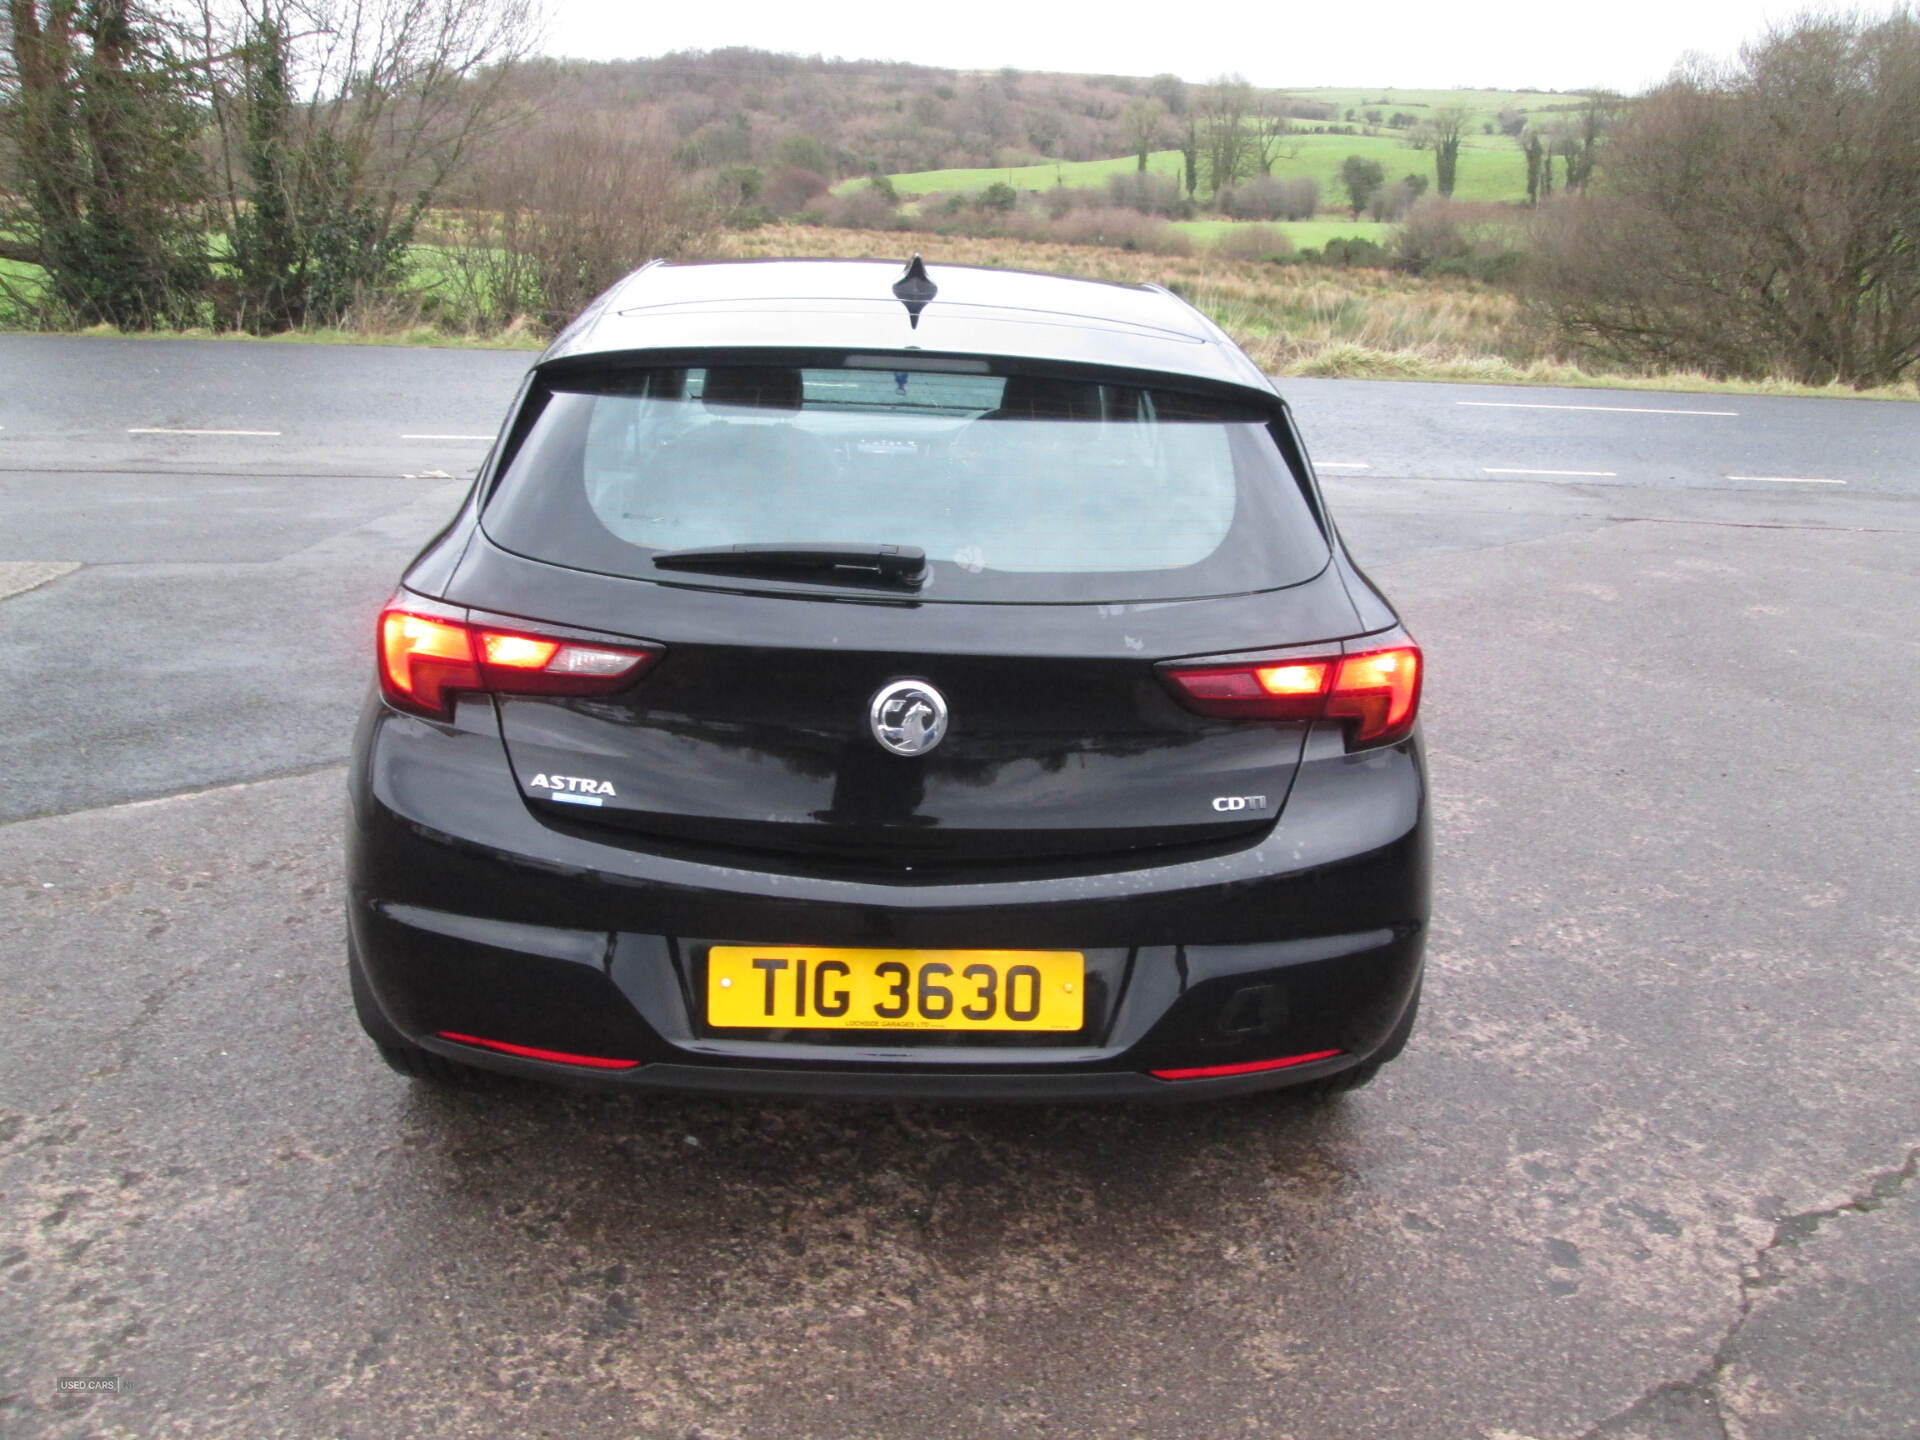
<point>1020,487</point>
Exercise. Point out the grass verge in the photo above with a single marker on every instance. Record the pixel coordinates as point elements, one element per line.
<point>372,332</point>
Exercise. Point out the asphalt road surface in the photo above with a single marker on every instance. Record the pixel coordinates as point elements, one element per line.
<point>1647,1169</point>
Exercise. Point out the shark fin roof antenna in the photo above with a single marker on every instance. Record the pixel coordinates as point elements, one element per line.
<point>914,289</point>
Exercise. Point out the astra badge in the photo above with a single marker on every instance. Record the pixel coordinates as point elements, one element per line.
<point>909,717</point>
<point>571,785</point>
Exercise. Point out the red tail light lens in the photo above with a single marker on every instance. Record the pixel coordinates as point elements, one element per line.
<point>1280,690</point>
<point>517,664</point>
<point>423,659</point>
<point>518,652</point>
<point>1373,688</point>
<point>1377,694</point>
<point>429,651</point>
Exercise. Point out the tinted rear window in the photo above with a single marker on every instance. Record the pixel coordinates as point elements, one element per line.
<point>1022,487</point>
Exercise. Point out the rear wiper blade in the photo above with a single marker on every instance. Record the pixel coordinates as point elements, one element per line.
<point>902,564</point>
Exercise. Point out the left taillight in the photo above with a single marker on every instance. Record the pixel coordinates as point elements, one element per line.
<point>429,652</point>
<point>1371,686</point>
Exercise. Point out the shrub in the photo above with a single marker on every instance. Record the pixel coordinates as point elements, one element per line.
<point>801,152</point>
<point>1252,242</point>
<point>736,187</point>
<point>1362,177</point>
<point>1270,199</point>
<point>1391,202</point>
<point>794,189</point>
<point>1448,237</point>
<point>998,196</point>
<point>1121,229</point>
<point>862,208</point>
<point>1352,250</point>
<point>1148,193</point>
<point>1059,200</point>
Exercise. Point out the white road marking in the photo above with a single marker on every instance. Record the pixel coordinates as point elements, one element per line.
<point>156,430</point>
<point>19,576</point>
<point>1584,474</point>
<point>1788,479</point>
<point>1341,465</point>
<point>1619,409</point>
<point>446,437</point>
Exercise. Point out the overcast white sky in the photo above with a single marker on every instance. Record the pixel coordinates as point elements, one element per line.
<point>1483,44</point>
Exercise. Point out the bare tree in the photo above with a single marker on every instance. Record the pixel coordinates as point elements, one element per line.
<point>1445,128</point>
<point>103,183</point>
<point>1222,110</point>
<point>989,115</point>
<point>1143,124</point>
<point>341,122</point>
<point>1590,125</point>
<point>562,214</point>
<point>1759,218</point>
<point>1271,135</point>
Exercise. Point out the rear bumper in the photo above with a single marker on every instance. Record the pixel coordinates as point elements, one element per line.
<point>829,1082</point>
<point>472,916</point>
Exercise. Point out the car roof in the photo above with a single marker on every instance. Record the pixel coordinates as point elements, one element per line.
<point>850,305</point>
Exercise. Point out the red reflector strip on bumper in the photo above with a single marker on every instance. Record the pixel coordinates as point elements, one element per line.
<point>1251,1067</point>
<point>528,1052</point>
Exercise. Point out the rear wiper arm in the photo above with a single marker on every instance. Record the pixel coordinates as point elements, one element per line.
<point>902,564</point>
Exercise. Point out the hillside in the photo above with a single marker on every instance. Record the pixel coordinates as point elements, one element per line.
<point>946,129</point>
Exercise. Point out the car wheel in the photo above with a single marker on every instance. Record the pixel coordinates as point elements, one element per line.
<point>403,1057</point>
<point>1363,1074</point>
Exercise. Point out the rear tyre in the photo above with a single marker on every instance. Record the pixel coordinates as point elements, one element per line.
<point>1357,1076</point>
<point>403,1057</point>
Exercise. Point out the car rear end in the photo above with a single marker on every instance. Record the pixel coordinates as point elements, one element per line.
<point>816,720</point>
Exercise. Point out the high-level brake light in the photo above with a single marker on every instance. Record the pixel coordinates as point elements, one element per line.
<point>1373,688</point>
<point>430,651</point>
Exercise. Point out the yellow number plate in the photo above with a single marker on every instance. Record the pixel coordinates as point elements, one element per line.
<point>797,987</point>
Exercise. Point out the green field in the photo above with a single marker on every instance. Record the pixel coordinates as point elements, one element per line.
<point>1074,174</point>
<point>1482,104</point>
<point>1491,168</point>
<point>17,275</point>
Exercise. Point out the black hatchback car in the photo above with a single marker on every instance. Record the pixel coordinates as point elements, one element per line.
<point>855,682</point>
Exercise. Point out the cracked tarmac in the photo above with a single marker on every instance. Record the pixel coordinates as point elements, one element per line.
<point>1790,1365</point>
<point>1647,1171</point>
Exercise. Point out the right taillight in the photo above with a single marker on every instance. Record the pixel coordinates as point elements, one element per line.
<point>1377,693</point>
<point>429,652</point>
<point>1372,687</point>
